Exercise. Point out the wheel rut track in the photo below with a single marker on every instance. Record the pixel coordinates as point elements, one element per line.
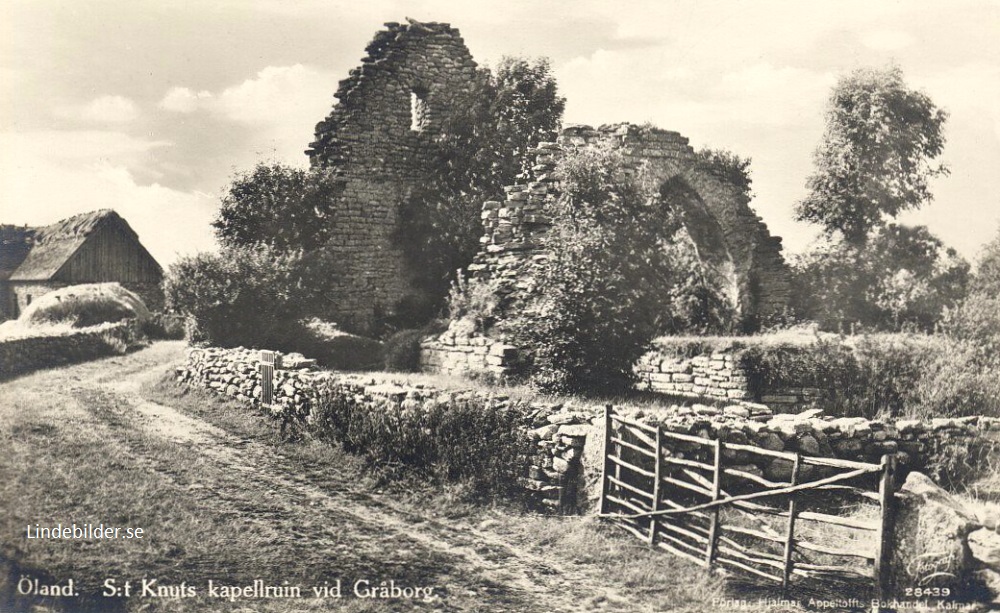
<point>548,585</point>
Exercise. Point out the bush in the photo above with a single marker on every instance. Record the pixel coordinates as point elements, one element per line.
<point>249,296</point>
<point>86,305</point>
<point>330,346</point>
<point>467,440</point>
<point>165,326</point>
<point>401,351</point>
<point>869,376</point>
<point>608,284</point>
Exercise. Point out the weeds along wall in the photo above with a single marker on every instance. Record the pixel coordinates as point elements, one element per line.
<point>562,443</point>
<point>854,376</point>
<point>19,356</point>
<point>488,438</point>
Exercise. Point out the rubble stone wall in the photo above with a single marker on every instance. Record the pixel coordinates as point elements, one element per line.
<point>568,437</point>
<point>457,352</point>
<point>378,140</point>
<point>19,356</point>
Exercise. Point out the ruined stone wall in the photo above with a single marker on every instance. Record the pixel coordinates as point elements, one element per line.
<point>732,240</point>
<point>460,351</point>
<point>378,139</point>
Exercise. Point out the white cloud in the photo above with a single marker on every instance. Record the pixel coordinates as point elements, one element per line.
<point>52,175</point>
<point>277,92</point>
<point>184,100</point>
<point>105,109</point>
<point>275,95</point>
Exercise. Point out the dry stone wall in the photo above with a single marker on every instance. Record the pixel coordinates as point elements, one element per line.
<point>555,432</point>
<point>461,351</point>
<point>378,139</point>
<point>567,438</point>
<point>19,356</point>
<point>719,376</point>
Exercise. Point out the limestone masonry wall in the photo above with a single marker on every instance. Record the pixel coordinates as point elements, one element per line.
<point>19,356</point>
<point>568,437</point>
<point>378,141</point>
<point>720,376</point>
<point>459,352</point>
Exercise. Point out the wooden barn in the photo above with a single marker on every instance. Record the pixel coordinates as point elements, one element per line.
<point>95,247</point>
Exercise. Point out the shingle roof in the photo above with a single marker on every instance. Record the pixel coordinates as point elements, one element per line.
<point>53,245</point>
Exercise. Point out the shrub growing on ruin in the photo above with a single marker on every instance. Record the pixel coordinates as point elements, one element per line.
<point>481,149</point>
<point>603,291</point>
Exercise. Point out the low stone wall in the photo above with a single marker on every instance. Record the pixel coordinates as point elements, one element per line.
<point>568,438</point>
<point>558,433</point>
<point>19,356</point>
<point>455,353</point>
<point>718,375</point>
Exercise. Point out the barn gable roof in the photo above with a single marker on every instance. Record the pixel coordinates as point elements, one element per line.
<point>53,245</point>
<point>15,243</point>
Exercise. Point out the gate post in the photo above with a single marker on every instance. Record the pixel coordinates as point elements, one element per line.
<point>883,551</point>
<point>606,470</point>
<point>267,377</point>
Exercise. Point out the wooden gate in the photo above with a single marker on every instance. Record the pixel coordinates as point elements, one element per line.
<point>708,501</point>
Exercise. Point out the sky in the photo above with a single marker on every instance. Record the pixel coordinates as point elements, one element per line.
<point>150,107</point>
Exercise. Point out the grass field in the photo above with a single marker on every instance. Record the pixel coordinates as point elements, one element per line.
<point>221,498</point>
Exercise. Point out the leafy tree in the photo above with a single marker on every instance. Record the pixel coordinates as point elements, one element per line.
<point>876,156</point>
<point>902,276</point>
<point>279,206</point>
<point>481,149</point>
<point>987,279</point>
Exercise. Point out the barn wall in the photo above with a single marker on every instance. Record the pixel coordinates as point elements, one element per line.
<point>110,254</point>
<point>26,292</point>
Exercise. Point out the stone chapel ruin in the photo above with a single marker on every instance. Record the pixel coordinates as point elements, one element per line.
<point>377,140</point>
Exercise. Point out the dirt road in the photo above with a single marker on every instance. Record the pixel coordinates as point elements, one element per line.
<point>294,526</point>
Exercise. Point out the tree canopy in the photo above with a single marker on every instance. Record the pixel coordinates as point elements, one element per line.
<point>481,149</point>
<point>903,276</point>
<point>279,206</point>
<point>877,154</point>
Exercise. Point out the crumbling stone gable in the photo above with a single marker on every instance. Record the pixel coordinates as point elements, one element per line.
<point>731,239</point>
<point>378,139</point>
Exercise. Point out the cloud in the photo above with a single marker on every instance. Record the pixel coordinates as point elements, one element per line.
<point>52,175</point>
<point>105,109</point>
<point>272,96</point>
<point>184,100</point>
